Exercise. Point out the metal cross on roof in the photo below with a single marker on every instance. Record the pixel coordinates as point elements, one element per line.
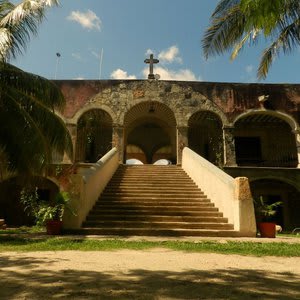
<point>151,61</point>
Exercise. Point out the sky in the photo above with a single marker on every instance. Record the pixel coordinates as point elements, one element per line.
<point>110,39</point>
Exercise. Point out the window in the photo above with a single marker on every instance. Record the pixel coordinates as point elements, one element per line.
<point>248,150</point>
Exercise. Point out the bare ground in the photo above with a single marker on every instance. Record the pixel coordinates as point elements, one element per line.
<point>149,274</point>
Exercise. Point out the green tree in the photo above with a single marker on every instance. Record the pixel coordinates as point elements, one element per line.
<point>30,130</point>
<point>235,23</point>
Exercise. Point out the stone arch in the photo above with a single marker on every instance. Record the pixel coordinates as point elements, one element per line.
<point>94,135</point>
<point>205,135</point>
<point>93,106</point>
<point>11,209</point>
<point>151,125</point>
<point>208,106</point>
<point>265,138</point>
<point>274,189</point>
<point>280,115</point>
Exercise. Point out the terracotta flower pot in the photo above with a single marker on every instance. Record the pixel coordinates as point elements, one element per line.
<point>267,229</point>
<point>54,227</point>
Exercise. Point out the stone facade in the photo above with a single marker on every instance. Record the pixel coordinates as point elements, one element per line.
<point>248,130</point>
<point>230,124</point>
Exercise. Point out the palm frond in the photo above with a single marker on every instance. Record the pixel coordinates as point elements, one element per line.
<point>22,141</point>
<point>44,90</point>
<point>224,32</point>
<point>42,130</point>
<point>238,47</point>
<point>288,40</point>
<point>234,22</point>
<point>223,6</point>
<point>52,126</point>
<point>21,21</point>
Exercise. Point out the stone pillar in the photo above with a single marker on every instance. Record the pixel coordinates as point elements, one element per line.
<point>118,140</point>
<point>73,132</point>
<point>297,137</point>
<point>182,141</point>
<point>229,147</point>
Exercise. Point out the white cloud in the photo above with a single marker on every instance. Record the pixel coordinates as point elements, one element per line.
<point>97,55</point>
<point>149,51</point>
<point>79,78</point>
<point>120,74</point>
<point>170,55</point>
<point>76,56</point>
<point>249,69</point>
<point>166,74</point>
<point>88,20</point>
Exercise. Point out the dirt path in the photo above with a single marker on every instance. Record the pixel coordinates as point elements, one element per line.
<point>151,274</point>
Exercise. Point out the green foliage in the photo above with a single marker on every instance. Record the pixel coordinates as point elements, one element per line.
<point>262,14</point>
<point>234,23</point>
<point>18,22</point>
<point>13,243</point>
<point>43,211</point>
<point>23,230</point>
<point>30,131</point>
<point>264,210</point>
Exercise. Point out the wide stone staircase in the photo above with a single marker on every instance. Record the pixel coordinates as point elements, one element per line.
<point>151,200</point>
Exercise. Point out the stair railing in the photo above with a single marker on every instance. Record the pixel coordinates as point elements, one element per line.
<point>231,195</point>
<point>88,185</point>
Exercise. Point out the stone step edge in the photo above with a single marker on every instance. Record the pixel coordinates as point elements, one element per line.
<point>161,233</point>
<point>161,223</point>
<point>149,205</point>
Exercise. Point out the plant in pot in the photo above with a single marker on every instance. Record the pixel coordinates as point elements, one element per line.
<point>264,213</point>
<point>46,213</point>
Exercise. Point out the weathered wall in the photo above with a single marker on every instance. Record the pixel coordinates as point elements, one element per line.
<point>184,98</point>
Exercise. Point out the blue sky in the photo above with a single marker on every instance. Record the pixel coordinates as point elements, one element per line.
<point>127,31</point>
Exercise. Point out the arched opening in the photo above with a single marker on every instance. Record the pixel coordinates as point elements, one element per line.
<point>205,136</point>
<point>135,152</point>
<point>94,135</point>
<point>273,190</point>
<point>262,139</point>
<point>163,153</point>
<point>11,209</point>
<point>152,127</point>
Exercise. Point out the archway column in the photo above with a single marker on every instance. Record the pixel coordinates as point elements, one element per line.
<point>297,137</point>
<point>73,133</point>
<point>229,146</point>
<point>118,140</point>
<point>182,141</point>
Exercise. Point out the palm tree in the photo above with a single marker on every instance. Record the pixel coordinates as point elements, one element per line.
<point>30,130</point>
<point>236,22</point>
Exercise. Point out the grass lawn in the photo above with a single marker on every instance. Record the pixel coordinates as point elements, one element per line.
<point>27,239</point>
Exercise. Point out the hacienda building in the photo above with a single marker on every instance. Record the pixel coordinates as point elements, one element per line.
<point>235,141</point>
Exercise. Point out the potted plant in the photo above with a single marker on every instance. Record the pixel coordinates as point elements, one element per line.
<point>46,213</point>
<point>264,213</point>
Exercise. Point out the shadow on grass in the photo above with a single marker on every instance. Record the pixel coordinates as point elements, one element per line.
<point>28,282</point>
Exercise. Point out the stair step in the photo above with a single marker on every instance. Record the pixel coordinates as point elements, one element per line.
<point>138,180</point>
<point>155,232</point>
<point>154,212</point>
<point>155,225</point>
<point>142,202</point>
<point>152,198</point>
<point>153,205</point>
<point>205,217</point>
<point>152,194</point>
<point>152,186</point>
